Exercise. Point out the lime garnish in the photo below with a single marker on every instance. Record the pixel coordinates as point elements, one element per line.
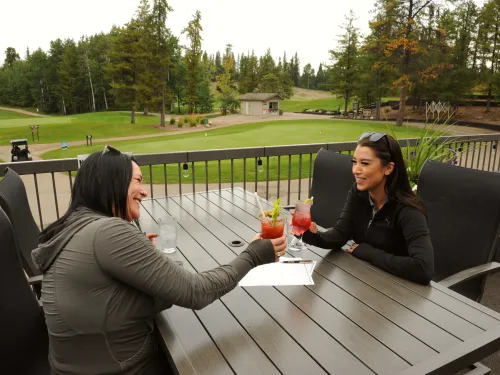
<point>308,201</point>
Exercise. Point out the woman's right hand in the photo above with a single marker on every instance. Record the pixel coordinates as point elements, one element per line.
<point>313,228</point>
<point>279,244</point>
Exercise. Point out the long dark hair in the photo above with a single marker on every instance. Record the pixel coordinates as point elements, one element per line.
<point>397,185</point>
<point>101,185</point>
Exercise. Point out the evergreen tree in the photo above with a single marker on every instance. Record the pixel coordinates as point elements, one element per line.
<point>193,57</point>
<point>267,64</point>
<point>294,70</point>
<point>124,66</point>
<point>307,76</point>
<point>321,79</point>
<point>57,103</point>
<point>161,47</point>
<point>228,95</point>
<point>37,70</point>
<point>178,76</point>
<point>377,71</point>
<point>251,79</point>
<point>219,69</point>
<point>11,56</point>
<point>68,71</point>
<point>344,71</point>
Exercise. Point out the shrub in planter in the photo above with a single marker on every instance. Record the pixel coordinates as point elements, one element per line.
<point>186,120</point>
<point>172,121</point>
<point>428,146</point>
<point>180,124</point>
<point>192,122</point>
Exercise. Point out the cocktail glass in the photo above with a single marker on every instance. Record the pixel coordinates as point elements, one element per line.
<point>270,230</point>
<point>301,221</point>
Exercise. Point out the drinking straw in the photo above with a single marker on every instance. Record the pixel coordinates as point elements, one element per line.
<point>260,206</point>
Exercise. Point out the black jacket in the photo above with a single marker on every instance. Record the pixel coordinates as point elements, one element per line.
<point>397,240</point>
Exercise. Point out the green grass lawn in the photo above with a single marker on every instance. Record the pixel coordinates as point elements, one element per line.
<point>245,135</point>
<point>299,105</point>
<point>331,103</point>
<point>9,115</point>
<point>75,127</point>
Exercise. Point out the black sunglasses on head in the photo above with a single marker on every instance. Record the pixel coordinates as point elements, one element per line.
<point>111,149</point>
<point>375,137</point>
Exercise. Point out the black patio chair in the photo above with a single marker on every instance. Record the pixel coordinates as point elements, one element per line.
<point>14,201</point>
<point>463,213</point>
<point>332,179</point>
<point>22,324</point>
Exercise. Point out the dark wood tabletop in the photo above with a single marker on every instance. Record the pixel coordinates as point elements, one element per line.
<point>356,319</point>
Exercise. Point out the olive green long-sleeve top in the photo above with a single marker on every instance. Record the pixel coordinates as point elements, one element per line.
<point>104,281</point>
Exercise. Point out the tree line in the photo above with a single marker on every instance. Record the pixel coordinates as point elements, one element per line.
<point>142,66</point>
<point>422,49</point>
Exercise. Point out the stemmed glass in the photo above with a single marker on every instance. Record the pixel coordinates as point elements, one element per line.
<point>301,221</point>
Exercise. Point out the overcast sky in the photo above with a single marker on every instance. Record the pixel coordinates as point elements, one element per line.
<point>309,28</point>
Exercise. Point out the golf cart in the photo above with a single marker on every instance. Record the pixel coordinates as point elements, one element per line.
<point>19,154</point>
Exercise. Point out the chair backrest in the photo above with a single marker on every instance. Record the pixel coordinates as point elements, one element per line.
<point>463,213</point>
<point>14,201</point>
<point>22,324</point>
<point>332,179</point>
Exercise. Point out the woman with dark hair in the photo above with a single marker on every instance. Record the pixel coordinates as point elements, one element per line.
<point>103,279</point>
<point>382,215</point>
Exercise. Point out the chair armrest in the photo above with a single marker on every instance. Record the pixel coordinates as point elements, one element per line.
<point>35,279</point>
<point>470,273</point>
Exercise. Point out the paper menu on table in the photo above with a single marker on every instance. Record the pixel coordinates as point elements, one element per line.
<point>275,274</point>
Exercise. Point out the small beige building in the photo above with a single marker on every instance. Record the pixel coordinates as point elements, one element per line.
<point>261,103</point>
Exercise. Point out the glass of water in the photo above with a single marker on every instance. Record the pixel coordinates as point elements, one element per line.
<point>167,234</point>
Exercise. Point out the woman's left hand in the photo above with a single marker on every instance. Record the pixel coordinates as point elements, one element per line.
<point>351,249</point>
<point>152,237</point>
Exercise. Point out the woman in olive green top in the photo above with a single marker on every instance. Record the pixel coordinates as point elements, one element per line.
<point>103,280</point>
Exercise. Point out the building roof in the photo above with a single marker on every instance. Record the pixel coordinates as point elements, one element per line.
<point>259,96</point>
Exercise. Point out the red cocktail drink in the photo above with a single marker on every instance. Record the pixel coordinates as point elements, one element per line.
<point>270,231</point>
<point>301,222</point>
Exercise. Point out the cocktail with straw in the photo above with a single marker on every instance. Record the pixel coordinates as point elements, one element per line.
<point>272,221</point>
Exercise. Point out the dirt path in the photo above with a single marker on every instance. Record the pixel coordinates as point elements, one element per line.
<point>22,112</point>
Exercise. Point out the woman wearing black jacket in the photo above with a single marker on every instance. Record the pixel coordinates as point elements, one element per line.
<point>382,214</point>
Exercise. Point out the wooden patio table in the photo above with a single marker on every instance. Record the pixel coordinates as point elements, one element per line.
<point>356,319</point>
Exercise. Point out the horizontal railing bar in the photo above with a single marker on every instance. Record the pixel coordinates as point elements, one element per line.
<point>225,154</point>
<point>293,149</point>
<point>40,166</point>
<point>345,146</point>
<point>65,165</point>
<point>163,158</point>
